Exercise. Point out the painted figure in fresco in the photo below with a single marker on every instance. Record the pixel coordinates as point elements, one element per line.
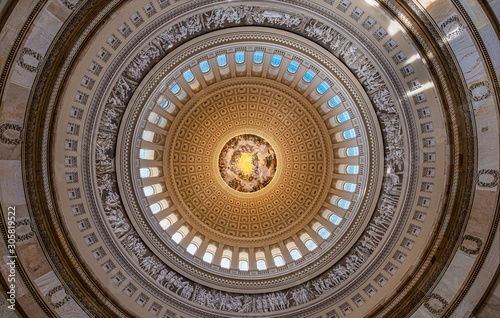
<point>247,163</point>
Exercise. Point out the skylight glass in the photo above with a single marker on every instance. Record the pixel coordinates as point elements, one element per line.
<point>276,60</point>
<point>293,67</point>
<point>353,151</point>
<point>309,76</point>
<point>204,66</point>
<point>258,57</point>
<point>349,133</point>
<point>240,57</point>
<point>222,60</point>
<point>334,101</point>
<point>174,88</point>
<point>323,87</point>
<point>343,117</point>
<point>188,76</point>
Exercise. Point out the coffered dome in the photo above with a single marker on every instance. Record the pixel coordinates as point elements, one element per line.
<point>273,159</point>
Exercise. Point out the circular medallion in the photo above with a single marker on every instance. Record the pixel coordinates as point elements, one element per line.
<point>247,163</point>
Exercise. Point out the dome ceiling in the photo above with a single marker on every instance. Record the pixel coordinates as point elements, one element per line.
<point>221,159</point>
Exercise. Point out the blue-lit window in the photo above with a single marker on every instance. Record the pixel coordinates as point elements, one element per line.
<point>344,204</point>
<point>243,265</point>
<point>353,151</point>
<point>174,88</point>
<point>225,262</point>
<point>240,57</point>
<point>165,223</point>
<point>276,60</point>
<point>143,153</point>
<point>335,219</point>
<point>204,66</point>
<point>144,172</point>
<point>295,254</point>
<point>155,208</point>
<point>349,133</point>
<point>352,169</point>
<point>350,187</point>
<point>309,76</point>
<point>177,237</point>
<point>188,76</point>
<point>334,101</point>
<point>261,265</point>
<point>324,233</point>
<point>221,60</point>
<point>148,191</point>
<point>293,67</point>
<point>342,118</point>
<point>164,103</point>
<point>310,244</point>
<point>278,261</point>
<point>258,57</point>
<point>323,87</point>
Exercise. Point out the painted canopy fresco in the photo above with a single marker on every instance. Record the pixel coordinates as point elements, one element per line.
<point>247,163</point>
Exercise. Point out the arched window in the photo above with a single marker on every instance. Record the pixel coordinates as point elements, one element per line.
<point>334,101</point>
<point>144,172</point>
<point>349,187</point>
<point>158,206</point>
<point>169,220</point>
<point>293,250</point>
<point>222,60</point>
<point>277,257</point>
<point>308,241</point>
<point>225,261</point>
<point>319,228</point>
<point>148,191</point>
<point>295,254</point>
<point>261,260</point>
<point>353,151</point>
<point>276,60</point>
<point>324,233</point>
<point>310,244</point>
<point>309,76</point>
<point>239,57</point>
<point>352,169</point>
<point>344,204</point>
<point>323,87</point>
<point>163,102</point>
<point>165,223</point>
<point>243,261</point>
<point>177,237</point>
<point>188,76</point>
<point>278,261</point>
<point>335,219</point>
<point>180,234</point>
<point>147,154</point>
<point>204,66</point>
<point>174,88</point>
<point>258,56</point>
<point>261,265</point>
<point>155,208</point>
<point>209,253</point>
<point>194,245</point>
<point>293,67</point>
<point>343,117</point>
<point>349,133</point>
<point>148,135</point>
<point>149,172</point>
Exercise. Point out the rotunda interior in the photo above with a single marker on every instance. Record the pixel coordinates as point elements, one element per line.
<point>288,158</point>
